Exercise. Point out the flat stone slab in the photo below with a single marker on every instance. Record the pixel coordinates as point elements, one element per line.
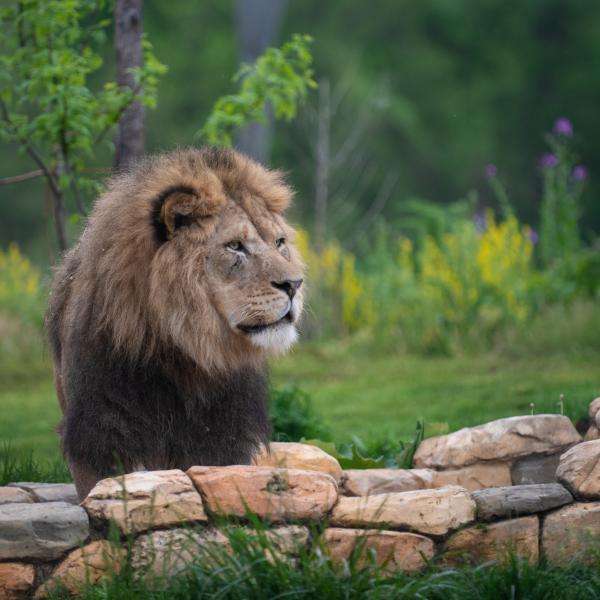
<point>12,495</point>
<point>538,468</point>
<point>397,550</point>
<point>478,476</point>
<point>501,440</point>
<point>483,543</point>
<point>50,492</point>
<point>275,494</point>
<point>434,512</point>
<point>145,500</point>
<point>517,500</point>
<point>88,565</point>
<point>579,470</point>
<point>290,455</point>
<point>367,482</point>
<point>572,532</point>
<point>16,581</point>
<point>44,531</point>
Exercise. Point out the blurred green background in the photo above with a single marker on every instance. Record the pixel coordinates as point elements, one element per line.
<point>454,271</point>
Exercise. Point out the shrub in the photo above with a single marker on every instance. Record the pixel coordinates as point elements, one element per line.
<point>293,416</point>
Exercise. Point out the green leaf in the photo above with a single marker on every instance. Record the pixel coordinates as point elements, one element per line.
<point>348,455</point>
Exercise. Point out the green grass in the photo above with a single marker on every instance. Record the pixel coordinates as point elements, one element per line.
<point>364,393</point>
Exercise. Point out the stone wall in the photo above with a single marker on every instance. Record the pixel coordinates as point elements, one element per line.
<point>524,484</point>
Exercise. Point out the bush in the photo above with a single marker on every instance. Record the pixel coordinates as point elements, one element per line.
<point>293,416</point>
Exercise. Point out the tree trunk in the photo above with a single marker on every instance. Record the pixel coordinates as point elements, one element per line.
<point>258,24</point>
<point>58,209</point>
<point>128,47</point>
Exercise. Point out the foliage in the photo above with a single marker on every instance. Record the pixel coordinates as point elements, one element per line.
<point>563,184</point>
<point>280,79</point>
<point>455,286</point>
<point>377,452</point>
<point>22,304</point>
<point>293,416</point>
<point>21,294</point>
<point>48,53</point>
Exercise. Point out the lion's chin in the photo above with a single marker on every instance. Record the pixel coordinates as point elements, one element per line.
<point>276,340</point>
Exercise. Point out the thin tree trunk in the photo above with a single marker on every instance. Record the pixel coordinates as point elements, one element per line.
<point>58,209</point>
<point>323,163</point>
<point>258,24</point>
<point>128,47</point>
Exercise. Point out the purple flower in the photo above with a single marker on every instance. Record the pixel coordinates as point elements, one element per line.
<point>532,236</point>
<point>490,171</point>
<point>580,173</point>
<point>563,127</point>
<point>549,161</point>
<point>480,222</point>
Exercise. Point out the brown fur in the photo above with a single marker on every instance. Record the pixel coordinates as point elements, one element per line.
<point>153,273</point>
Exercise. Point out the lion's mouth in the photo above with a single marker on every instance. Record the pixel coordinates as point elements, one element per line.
<point>252,329</point>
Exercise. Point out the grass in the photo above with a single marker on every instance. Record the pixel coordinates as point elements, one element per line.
<point>252,570</point>
<point>358,391</point>
<point>364,393</point>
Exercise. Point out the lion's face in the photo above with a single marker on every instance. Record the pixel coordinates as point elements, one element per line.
<point>227,280</point>
<point>255,277</point>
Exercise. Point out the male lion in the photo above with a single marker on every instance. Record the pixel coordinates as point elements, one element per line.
<point>161,315</point>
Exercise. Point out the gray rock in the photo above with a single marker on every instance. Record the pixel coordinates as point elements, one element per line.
<point>536,468</point>
<point>43,531</point>
<point>517,500</point>
<point>50,492</point>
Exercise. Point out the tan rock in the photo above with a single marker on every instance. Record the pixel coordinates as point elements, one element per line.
<point>10,495</point>
<point>579,470</point>
<point>479,476</point>
<point>593,433</point>
<point>594,410</point>
<point>434,512</point>
<point>16,581</point>
<point>299,456</point>
<point>572,532</point>
<point>145,500</point>
<point>276,494</point>
<point>166,552</point>
<point>501,440</point>
<point>495,541</point>
<point>287,541</point>
<point>398,551</point>
<point>367,482</point>
<point>85,566</point>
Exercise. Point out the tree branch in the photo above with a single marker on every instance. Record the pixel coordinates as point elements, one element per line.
<point>33,153</point>
<point>23,177</point>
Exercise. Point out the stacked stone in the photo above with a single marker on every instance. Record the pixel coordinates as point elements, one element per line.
<point>475,495</point>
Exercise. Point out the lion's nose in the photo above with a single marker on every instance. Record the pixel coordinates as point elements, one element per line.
<point>290,287</point>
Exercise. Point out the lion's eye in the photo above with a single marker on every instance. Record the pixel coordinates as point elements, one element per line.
<point>280,243</point>
<point>236,246</point>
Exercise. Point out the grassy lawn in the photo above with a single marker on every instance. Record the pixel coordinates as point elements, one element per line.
<point>361,393</point>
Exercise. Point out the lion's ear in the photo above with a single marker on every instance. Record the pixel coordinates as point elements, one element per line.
<point>182,207</point>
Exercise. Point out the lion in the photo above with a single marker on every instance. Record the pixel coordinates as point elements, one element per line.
<point>161,316</point>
